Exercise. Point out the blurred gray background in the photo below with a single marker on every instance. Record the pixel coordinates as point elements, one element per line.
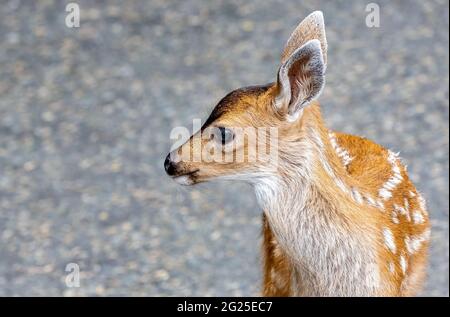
<point>85,117</point>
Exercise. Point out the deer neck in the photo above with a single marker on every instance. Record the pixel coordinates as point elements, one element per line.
<point>309,169</point>
<point>308,208</point>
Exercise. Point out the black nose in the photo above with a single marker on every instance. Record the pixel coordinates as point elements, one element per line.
<point>169,166</point>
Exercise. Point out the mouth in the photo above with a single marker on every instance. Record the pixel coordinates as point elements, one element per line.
<point>186,178</point>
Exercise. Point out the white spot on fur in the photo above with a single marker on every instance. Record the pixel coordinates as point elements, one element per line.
<point>422,204</point>
<point>406,203</point>
<point>389,240</point>
<point>380,204</point>
<point>391,267</point>
<point>395,217</point>
<point>418,217</point>
<point>326,165</point>
<point>343,154</point>
<point>357,196</point>
<point>371,201</point>
<point>402,211</point>
<point>307,233</point>
<point>341,185</point>
<point>413,244</point>
<point>403,264</point>
<point>386,191</point>
<point>412,194</point>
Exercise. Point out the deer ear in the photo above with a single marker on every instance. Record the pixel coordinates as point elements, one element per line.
<point>300,79</point>
<point>312,27</point>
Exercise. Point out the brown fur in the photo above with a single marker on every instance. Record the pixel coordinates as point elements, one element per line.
<point>372,170</point>
<point>369,170</point>
<point>365,201</point>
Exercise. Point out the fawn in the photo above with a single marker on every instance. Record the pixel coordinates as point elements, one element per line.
<point>340,215</point>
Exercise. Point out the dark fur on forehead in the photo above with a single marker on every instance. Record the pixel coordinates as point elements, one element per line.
<point>227,102</point>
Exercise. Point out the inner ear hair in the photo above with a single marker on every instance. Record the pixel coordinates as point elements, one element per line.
<point>301,78</point>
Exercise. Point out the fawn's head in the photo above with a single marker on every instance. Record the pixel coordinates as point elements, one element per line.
<point>240,138</point>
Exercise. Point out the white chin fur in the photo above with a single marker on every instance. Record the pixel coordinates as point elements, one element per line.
<point>183,180</point>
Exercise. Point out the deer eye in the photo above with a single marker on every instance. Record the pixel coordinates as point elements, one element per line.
<point>223,135</point>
